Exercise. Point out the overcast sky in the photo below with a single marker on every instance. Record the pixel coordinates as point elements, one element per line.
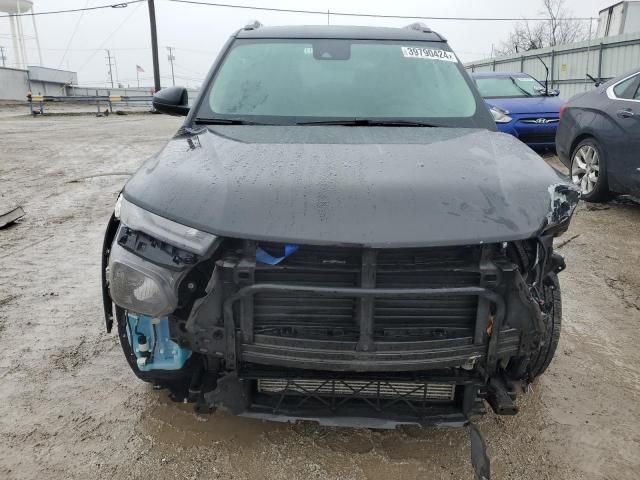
<point>198,32</point>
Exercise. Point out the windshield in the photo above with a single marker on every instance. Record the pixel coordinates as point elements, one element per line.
<point>509,86</point>
<point>300,81</point>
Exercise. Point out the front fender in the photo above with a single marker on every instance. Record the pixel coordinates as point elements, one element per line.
<point>112,228</point>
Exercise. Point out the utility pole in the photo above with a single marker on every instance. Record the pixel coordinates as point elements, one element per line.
<point>2,57</point>
<point>110,65</point>
<point>154,45</point>
<point>171,59</point>
<point>115,64</point>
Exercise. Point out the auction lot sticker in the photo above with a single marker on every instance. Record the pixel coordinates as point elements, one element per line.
<point>428,53</point>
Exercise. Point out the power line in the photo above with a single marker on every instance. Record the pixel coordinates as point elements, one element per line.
<point>86,9</point>
<point>369,15</point>
<point>133,11</point>
<point>291,10</point>
<point>116,49</point>
<point>73,34</point>
<point>194,50</point>
<point>189,70</point>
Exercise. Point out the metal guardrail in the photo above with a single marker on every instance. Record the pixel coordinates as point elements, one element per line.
<point>106,100</point>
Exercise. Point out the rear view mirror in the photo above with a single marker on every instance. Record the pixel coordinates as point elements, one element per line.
<point>172,100</point>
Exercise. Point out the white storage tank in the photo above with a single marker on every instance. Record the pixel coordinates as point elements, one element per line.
<point>18,37</point>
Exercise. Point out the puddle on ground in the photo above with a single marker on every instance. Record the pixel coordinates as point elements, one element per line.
<point>168,422</point>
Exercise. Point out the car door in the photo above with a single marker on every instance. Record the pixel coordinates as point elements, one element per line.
<point>623,108</point>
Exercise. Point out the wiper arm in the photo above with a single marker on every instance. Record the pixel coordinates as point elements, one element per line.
<point>513,80</point>
<point>224,121</point>
<point>347,122</point>
<point>366,122</point>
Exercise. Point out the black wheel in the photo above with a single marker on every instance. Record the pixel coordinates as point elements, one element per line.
<point>589,170</point>
<point>540,361</point>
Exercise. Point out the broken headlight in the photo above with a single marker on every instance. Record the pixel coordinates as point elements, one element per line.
<point>149,258</point>
<point>564,199</point>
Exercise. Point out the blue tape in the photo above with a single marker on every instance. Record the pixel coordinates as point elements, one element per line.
<point>264,257</point>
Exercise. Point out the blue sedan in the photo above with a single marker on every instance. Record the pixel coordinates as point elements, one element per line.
<point>521,106</point>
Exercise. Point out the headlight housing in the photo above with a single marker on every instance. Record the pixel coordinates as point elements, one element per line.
<point>500,115</point>
<point>140,286</point>
<point>149,257</point>
<point>160,228</point>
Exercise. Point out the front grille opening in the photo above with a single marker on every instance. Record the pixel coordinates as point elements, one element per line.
<point>538,137</point>
<point>316,393</point>
<point>373,389</point>
<point>357,397</point>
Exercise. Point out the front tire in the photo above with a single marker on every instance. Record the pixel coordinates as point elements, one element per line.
<point>589,170</point>
<point>553,301</point>
<point>528,368</point>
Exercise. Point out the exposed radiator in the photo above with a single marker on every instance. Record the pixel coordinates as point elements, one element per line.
<point>359,388</point>
<point>309,316</point>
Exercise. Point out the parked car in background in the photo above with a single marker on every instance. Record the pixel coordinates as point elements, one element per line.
<point>521,106</point>
<point>599,138</point>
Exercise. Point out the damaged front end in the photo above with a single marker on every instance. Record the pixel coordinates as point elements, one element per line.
<point>341,335</point>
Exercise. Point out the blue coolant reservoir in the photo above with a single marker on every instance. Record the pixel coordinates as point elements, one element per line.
<point>150,341</point>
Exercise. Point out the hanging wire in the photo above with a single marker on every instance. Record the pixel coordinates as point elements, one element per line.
<point>104,42</point>
<point>86,9</point>
<point>291,10</point>
<point>368,15</point>
<point>73,34</point>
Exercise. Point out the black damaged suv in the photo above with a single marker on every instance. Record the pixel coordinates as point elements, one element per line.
<point>338,233</point>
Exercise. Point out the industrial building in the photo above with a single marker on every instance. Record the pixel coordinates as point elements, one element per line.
<point>15,82</point>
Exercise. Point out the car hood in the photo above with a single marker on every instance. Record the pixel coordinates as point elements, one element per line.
<point>371,186</point>
<point>523,105</point>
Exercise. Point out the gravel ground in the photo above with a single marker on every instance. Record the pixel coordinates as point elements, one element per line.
<point>70,407</point>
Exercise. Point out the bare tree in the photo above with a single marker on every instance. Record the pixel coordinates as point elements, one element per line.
<point>557,28</point>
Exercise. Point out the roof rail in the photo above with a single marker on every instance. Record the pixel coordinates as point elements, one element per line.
<point>253,25</point>
<point>419,26</point>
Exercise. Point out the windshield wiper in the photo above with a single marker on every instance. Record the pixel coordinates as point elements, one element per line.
<point>224,121</point>
<point>367,122</point>
<point>519,87</point>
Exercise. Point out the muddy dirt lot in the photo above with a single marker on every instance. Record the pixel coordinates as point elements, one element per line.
<point>70,407</point>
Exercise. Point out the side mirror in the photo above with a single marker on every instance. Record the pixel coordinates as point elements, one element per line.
<point>172,100</point>
<point>554,93</point>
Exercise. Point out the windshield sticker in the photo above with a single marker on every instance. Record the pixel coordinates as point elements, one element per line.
<point>428,53</point>
<point>525,79</point>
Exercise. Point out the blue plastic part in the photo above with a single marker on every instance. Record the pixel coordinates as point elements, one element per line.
<point>165,354</point>
<point>264,257</point>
